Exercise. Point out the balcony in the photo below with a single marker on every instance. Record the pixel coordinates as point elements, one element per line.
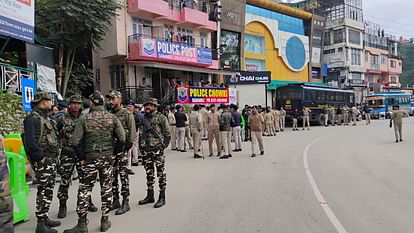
<point>138,94</point>
<point>10,77</point>
<point>185,13</point>
<point>144,48</point>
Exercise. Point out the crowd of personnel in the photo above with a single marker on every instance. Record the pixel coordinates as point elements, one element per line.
<point>101,139</point>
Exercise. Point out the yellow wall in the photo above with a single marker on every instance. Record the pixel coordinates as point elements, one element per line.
<point>273,61</point>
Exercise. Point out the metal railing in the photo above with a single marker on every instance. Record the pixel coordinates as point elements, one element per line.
<point>10,77</point>
<point>138,94</point>
<point>181,4</point>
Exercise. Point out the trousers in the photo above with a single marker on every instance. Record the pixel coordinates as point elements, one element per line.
<point>257,142</point>
<point>157,159</point>
<point>180,137</point>
<point>120,170</point>
<point>68,162</point>
<point>173,136</point>
<point>213,134</point>
<point>295,123</point>
<point>226,140</point>
<point>237,137</point>
<point>196,135</point>
<point>45,174</point>
<point>306,122</point>
<point>398,131</point>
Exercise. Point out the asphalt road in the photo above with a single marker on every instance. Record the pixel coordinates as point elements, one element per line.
<point>363,177</point>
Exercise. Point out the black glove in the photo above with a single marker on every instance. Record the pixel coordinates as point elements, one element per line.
<point>166,141</point>
<point>119,148</point>
<point>128,146</point>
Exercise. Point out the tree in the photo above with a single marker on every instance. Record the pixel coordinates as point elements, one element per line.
<point>70,26</point>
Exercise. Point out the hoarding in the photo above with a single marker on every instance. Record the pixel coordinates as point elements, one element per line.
<point>17,19</point>
<point>202,95</point>
<point>248,77</point>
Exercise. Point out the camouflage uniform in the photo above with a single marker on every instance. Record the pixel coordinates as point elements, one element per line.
<point>6,202</point>
<point>93,139</point>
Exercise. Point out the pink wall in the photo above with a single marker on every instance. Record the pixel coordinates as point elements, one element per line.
<point>395,70</point>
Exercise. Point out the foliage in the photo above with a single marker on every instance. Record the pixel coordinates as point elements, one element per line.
<point>407,53</point>
<point>71,26</point>
<point>81,78</point>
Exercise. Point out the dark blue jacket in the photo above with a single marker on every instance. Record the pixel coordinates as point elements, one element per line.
<point>236,119</point>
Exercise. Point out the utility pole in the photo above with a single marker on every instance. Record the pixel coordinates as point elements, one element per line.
<point>218,30</point>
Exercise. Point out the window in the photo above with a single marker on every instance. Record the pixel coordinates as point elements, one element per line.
<point>393,79</point>
<point>339,36</point>
<point>340,49</point>
<point>383,59</point>
<point>329,51</point>
<point>168,32</point>
<point>374,60</point>
<point>356,76</point>
<point>321,95</point>
<point>185,36</point>
<point>141,27</point>
<point>117,76</point>
<point>354,37</point>
<point>203,40</point>
<point>327,40</point>
<point>254,44</point>
<point>255,65</point>
<point>355,57</point>
<point>366,56</point>
<point>393,64</point>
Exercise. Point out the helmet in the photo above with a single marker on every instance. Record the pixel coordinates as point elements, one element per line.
<point>97,98</point>
<point>75,99</point>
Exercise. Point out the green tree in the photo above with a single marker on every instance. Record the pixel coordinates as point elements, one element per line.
<point>70,26</point>
<point>407,54</point>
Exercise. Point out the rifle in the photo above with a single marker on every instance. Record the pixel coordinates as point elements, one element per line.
<point>149,129</point>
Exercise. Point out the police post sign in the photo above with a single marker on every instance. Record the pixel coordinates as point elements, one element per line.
<point>202,95</point>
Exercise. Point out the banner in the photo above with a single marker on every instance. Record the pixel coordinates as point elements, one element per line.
<point>202,95</point>
<point>46,80</point>
<point>249,77</point>
<point>28,92</point>
<point>17,19</point>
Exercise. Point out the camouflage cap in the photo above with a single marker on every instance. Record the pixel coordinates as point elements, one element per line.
<point>153,101</point>
<point>114,94</point>
<point>97,98</point>
<point>41,96</point>
<point>75,99</point>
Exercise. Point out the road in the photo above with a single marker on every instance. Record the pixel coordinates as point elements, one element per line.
<point>364,177</point>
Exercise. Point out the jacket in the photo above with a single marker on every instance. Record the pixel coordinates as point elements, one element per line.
<point>180,119</point>
<point>128,122</point>
<point>148,141</point>
<point>236,119</point>
<point>196,120</point>
<point>256,122</point>
<point>213,121</point>
<point>225,121</point>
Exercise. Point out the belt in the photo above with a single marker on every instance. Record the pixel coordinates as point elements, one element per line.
<point>172,124</point>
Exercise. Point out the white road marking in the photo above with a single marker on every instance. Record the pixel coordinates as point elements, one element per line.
<point>324,204</point>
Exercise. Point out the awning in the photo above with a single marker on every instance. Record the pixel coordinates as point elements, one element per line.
<point>183,68</point>
<point>279,83</point>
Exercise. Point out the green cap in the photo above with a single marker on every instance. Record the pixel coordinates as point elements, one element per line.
<point>75,99</point>
<point>153,101</point>
<point>41,96</point>
<point>114,94</point>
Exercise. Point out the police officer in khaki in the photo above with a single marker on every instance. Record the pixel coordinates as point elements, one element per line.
<point>306,112</point>
<point>213,130</point>
<point>397,116</point>
<point>196,126</point>
<point>276,115</point>
<point>172,122</point>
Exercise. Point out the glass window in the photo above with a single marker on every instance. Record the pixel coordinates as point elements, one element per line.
<point>339,36</point>
<point>383,59</point>
<point>254,44</point>
<point>321,95</point>
<point>366,56</point>
<point>203,40</point>
<point>255,65</point>
<point>327,38</point>
<point>374,60</point>
<point>356,57</point>
<point>117,76</point>
<point>393,64</point>
<point>354,36</point>
<point>331,96</point>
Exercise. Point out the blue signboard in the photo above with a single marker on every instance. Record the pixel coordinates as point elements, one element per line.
<point>205,56</point>
<point>28,92</point>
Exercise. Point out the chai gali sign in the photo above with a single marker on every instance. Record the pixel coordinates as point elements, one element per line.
<point>251,77</point>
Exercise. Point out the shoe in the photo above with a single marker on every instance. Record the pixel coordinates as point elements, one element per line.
<point>183,151</point>
<point>235,150</point>
<point>303,129</point>
<point>230,156</point>
<point>134,164</point>
<point>219,154</point>
<point>105,224</point>
<point>210,155</point>
<point>43,228</point>
<point>240,150</point>
<point>401,140</point>
<point>224,157</point>
<point>115,204</point>
<point>124,208</point>
<point>82,227</point>
<point>92,208</point>
<point>261,152</point>
<point>62,209</point>
<point>196,156</point>
<point>396,141</point>
<point>51,223</point>
<point>130,172</point>
<point>148,199</point>
<point>199,150</point>
<point>253,155</point>
<point>161,200</point>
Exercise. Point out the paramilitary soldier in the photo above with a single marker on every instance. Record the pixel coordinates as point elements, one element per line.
<point>154,138</point>
<point>121,157</point>
<point>93,140</point>
<point>68,158</point>
<point>6,202</point>
<point>42,146</point>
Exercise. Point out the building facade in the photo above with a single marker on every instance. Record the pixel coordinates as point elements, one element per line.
<point>153,46</point>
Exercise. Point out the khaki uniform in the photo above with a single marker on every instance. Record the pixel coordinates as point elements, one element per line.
<point>256,125</point>
<point>397,118</point>
<point>188,140</point>
<point>196,126</point>
<point>276,115</point>
<point>204,115</point>
<point>171,121</point>
<point>345,115</point>
<point>269,118</point>
<point>213,131</point>
<point>354,112</point>
<point>332,110</point>
<point>282,119</point>
<point>306,112</point>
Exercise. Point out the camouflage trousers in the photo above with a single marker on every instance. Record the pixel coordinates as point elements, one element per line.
<point>6,214</point>
<point>121,171</point>
<point>156,158</point>
<point>87,176</point>
<point>68,161</point>
<point>45,174</point>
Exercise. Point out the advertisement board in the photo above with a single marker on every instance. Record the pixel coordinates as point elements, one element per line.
<point>248,77</point>
<point>28,92</point>
<point>202,95</point>
<point>172,51</point>
<point>17,19</point>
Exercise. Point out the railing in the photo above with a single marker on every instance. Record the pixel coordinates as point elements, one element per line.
<point>181,4</point>
<point>10,77</point>
<point>187,40</point>
<point>138,94</point>
<point>169,97</point>
<point>375,67</point>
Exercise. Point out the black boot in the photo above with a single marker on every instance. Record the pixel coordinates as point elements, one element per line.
<point>115,204</point>
<point>161,200</point>
<point>82,227</point>
<point>124,208</point>
<point>62,209</point>
<point>92,207</point>
<point>43,228</point>
<point>148,199</point>
<point>51,223</point>
<point>105,224</point>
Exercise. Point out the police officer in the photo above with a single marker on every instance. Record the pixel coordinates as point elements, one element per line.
<point>68,159</point>
<point>6,202</point>
<point>121,157</point>
<point>153,140</point>
<point>93,141</point>
<point>172,122</point>
<point>42,146</point>
<point>306,112</point>
<point>397,116</point>
<point>196,126</point>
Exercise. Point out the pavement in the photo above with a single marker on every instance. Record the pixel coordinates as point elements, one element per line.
<point>329,179</point>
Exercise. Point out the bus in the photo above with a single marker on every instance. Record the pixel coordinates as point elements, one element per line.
<point>381,103</point>
<point>315,97</point>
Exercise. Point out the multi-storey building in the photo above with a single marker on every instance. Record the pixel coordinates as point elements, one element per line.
<point>153,45</point>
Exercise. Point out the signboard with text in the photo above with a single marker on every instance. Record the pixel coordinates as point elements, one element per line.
<point>17,19</point>
<point>202,95</point>
<point>28,92</point>
<point>175,52</point>
<point>251,77</point>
